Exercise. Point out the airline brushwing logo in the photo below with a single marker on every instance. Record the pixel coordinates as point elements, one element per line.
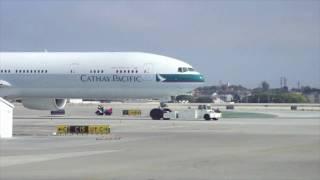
<point>160,78</point>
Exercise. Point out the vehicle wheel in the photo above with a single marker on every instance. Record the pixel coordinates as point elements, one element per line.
<point>156,114</point>
<point>207,117</point>
<point>98,113</point>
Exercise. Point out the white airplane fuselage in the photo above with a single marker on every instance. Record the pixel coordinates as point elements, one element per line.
<point>109,75</point>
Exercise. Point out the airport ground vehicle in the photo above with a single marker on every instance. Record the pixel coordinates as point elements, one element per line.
<point>101,111</point>
<point>159,113</point>
<point>205,112</point>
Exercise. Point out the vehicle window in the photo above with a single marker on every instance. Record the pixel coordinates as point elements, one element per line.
<point>179,69</point>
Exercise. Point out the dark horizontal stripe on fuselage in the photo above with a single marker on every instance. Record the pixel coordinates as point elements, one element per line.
<point>195,78</point>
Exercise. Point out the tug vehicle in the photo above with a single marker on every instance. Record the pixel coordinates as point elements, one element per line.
<point>159,113</point>
<point>205,112</point>
<point>101,111</point>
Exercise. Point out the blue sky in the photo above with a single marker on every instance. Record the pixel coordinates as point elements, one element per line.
<point>241,42</point>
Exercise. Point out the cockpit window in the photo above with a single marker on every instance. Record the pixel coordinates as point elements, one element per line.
<point>185,69</point>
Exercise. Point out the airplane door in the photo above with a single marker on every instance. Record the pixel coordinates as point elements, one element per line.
<point>148,72</point>
<point>74,68</point>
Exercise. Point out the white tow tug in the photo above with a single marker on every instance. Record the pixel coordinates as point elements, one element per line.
<point>205,112</point>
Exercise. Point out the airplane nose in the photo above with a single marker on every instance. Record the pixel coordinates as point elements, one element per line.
<point>201,77</point>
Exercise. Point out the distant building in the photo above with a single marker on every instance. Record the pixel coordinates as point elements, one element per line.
<point>216,98</point>
<point>226,97</point>
<point>313,97</point>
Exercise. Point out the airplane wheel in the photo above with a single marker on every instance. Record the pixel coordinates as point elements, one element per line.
<point>207,117</point>
<point>215,119</point>
<point>156,114</point>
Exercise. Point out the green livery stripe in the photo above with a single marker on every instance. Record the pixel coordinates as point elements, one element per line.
<point>179,78</point>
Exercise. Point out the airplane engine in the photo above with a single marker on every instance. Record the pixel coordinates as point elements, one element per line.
<point>44,103</point>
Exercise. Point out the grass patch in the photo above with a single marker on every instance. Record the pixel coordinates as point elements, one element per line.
<point>232,114</point>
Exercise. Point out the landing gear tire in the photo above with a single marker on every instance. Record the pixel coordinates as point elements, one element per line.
<point>207,117</point>
<point>156,114</point>
<point>215,119</point>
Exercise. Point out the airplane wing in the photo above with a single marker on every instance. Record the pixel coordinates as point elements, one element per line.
<point>4,84</point>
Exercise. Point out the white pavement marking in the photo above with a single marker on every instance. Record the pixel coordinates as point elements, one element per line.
<point>25,159</point>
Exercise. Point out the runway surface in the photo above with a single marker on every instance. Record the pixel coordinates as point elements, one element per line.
<point>283,146</point>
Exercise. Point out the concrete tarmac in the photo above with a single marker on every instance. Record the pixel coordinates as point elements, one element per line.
<point>286,146</point>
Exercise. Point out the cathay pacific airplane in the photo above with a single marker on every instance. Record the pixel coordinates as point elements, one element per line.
<point>45,80</point>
